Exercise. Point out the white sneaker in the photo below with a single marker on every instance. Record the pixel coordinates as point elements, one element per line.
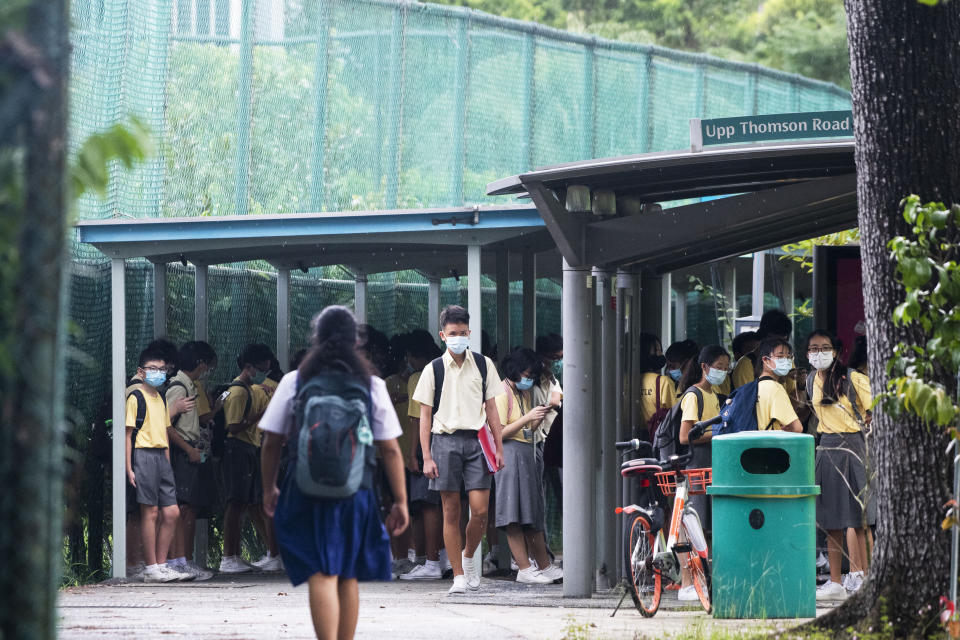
<point>183,574</point>
<point>553,572</point>
<point>531,575</point>
<point>428,571</point>
<point>823,563</point>
<point>459,586</point>
<point>688,594</point>
<point>471,569</point>
<point>830,591</point>
<point>232,564</point>
<point>270,565</point>
<point>853,581</point>
<point>513,565</point>
<point>199,573</point>
<point>158,573</point>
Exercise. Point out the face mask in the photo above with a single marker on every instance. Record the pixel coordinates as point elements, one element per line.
<point>258,377</point>
<point>155,378</point>
<point>557,367</point>
<point>675,374</point>
<point>783,366</point>
<point>458,344</point>
<point>525,383</point>
<point>654,363</point>
<point>409,368</point>
<point>716,376</point>
<point>821,360</point>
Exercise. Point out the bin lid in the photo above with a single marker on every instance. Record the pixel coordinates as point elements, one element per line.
<point>757,459</point>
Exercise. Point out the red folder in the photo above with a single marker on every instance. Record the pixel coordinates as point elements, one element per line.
<point>489,447</point>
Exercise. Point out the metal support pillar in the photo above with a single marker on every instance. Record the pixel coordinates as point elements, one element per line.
<point>655,314</point>
<point>730,293</point>
<point>789,288</point>
<point>283,317</point>
<point>503,303</point>
<point>635,327</point>
<point>579,439</point>
<point>529,299</point>
<point>621,411</point>
<point>474,300</point>
<point>608,396</point>
<point>159,300</point>
<point>759,264</point>
<point>200,302</point>
<point>118,377</point>
<point>681,311</point>
<point>360,297</point>
<point>433,308</point>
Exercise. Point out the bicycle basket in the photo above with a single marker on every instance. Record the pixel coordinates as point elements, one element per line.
<point>698,479</point>
<point>667,481</point>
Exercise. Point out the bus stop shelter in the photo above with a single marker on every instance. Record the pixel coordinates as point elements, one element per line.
<point>624,224</point>
<point>508,242</point>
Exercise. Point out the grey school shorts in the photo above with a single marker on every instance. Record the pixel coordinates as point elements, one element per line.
<point>154,477</point>
<point>241,472</point>
<point>460,462</point>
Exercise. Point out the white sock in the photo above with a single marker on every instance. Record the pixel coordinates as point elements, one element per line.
<point>181,561</point>
<point>153,566</point>
<point>432,564</point>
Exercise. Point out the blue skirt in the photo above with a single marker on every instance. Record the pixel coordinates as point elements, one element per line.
<point>342,538</point>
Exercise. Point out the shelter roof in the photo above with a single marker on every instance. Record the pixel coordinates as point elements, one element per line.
<point>777,193</point>
<point>430,240</point>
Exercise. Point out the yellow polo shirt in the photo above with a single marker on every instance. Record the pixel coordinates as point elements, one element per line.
<point>153,434</point>
<point>839,416</point>
<point>773,406</point>
<point>743,372</point>
<point>648,395</point>
<point>521,405</point>
<point>233,412</point>
<point>688,406</point>
<point>413,407</point>
<point>462,401</point>
<point>203,401</point>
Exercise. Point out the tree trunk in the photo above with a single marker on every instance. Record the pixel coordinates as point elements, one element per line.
<point>905,72</point>
<point>34,59</point>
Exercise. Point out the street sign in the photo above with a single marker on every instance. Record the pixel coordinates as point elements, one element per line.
<point>778,126</point>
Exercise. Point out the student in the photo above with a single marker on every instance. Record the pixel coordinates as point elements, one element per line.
<point>707,372</point>
<point>657,391</point>
<point>858,357</point>
<point>678,355</point>
<point>744,343</point>
<point>453,457</point>
<point>774,409</point>
<point>841,462</point>
<point>149,470</point>
<point>547,391</point>
<point>773,324</point>
<point>241,455</point>
<point>187,456</point>
<point>332,544</point>
<point>270,561</point>
<point>397,389</point>
<point>427,516</point>
<point>520,506</point>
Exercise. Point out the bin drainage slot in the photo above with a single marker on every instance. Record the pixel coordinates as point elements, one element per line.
<point>765,460</point>
<point>756,518</point>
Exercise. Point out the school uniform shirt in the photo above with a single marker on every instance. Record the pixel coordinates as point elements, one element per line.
<point>413,407</point>
<point>648,395</point>
<point>689,407</point>
<point>188,424</point>
<point>521,405</point>
<point>839,417</point>
<point>203,400</point>
<point>233,412</point>
<point>744,373</point>
<point>546,387</point>
<point>399,398</point>
<point>773,406</point>
<point>279,416</point>
<point>153,434</point>
<point>462,401</point>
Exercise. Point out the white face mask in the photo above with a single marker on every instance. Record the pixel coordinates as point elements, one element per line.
<point>458,344</point>
<point>821,360</point>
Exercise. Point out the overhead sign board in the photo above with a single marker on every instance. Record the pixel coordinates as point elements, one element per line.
<point>778,126</point>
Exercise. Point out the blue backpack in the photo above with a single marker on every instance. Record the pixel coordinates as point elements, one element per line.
<point>739,413</point>
<point>333,453</point>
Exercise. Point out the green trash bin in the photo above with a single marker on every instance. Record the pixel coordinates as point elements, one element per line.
<point>764,525</point>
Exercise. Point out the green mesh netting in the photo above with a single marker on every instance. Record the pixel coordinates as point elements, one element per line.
<point>275,106</point>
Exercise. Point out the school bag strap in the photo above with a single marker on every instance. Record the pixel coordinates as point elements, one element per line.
<point>657,405</point>
<point>175,383</point>
<point>848,390</point>
<point>249,404</point>
<point>438,375</point>
<point>695,390</point>
<point>509,390</point>
<point>141,413</point>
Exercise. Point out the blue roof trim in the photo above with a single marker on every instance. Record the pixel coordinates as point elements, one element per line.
<point>278,227</point>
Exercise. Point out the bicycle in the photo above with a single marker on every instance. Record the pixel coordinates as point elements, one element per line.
<point>649,556</point>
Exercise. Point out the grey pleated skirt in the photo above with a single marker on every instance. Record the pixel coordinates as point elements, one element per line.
<point>845,498</point>
<point>519,488</point>
<point>701,503</point>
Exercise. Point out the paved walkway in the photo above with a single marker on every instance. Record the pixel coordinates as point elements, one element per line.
<point>266,606</point>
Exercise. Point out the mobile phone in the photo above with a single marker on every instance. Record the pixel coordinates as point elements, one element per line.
<point>224,395</point>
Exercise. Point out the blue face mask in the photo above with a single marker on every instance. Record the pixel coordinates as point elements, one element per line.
<point>525,383</point>
<point>155,378</point>
<point>783,366</point>
<point>258,377</point>
<point>557,367</point>
<point>675,374</point>
<point>716,376</point>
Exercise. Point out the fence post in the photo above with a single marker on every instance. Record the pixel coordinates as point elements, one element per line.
<point>644,70</point>
<point>320,75</point>
<point>461,87</point>
<point>529,99</point>
<point>395,108</point>
<point>244,94</point>
<point>589,102</point>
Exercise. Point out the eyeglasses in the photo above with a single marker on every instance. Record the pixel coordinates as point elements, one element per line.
<point>155,369</point>
<point>820,350</point>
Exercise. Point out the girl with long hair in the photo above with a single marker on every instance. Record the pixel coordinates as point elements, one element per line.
<point>333,543</point>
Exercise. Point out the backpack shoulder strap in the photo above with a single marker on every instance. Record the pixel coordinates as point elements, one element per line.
<point>852,396</point>
<point>438,374</point>
<point>481,361</point>
<point>811,377</point>
<point>657,385</point>
<point>506,387</point>
<point>699,394</point>
<point>249,403</point>
<point>141,413</point>
<point>175,383</point>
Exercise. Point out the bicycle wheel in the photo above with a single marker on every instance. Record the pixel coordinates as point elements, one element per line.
<point>645,584</point>
<point>699,569</point>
